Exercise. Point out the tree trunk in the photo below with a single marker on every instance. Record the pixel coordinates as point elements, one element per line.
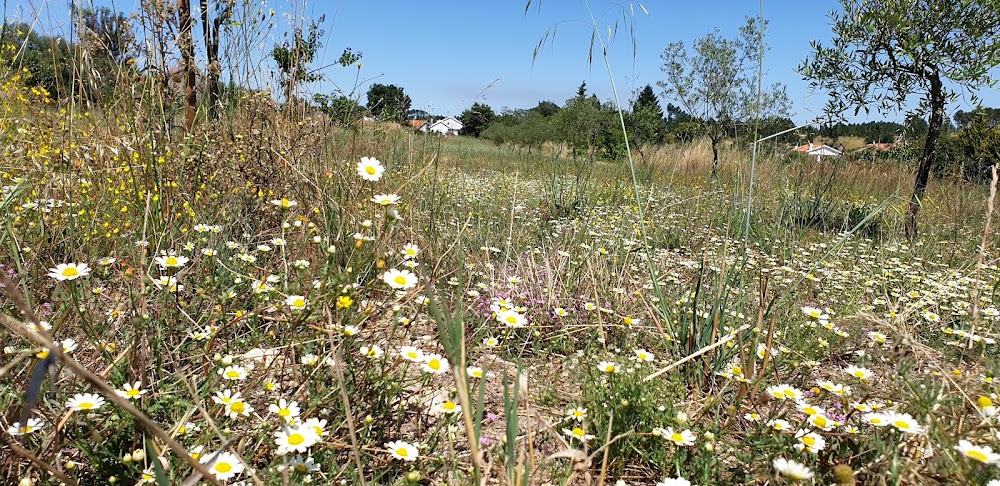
<point>210,30</point>
<point>715,156</point>
<point>186,45</point>
<point>934,123</point>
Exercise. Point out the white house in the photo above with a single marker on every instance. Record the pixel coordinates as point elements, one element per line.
<point>444,126</point>
<point>818,151</point>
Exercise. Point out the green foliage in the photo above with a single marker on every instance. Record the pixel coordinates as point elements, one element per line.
<point>294,57</point>
<point>884,52</point>
<point>970,154</point>
<point>106,33</point>
<point>645,122</point>
<point>963,118</point>
<point>342,109</point>
<point>388,102</point>
<point>476,119</point>
<point>716,80</point>
<point>646,100</point>
<point>546,108</point>
<point>49,59</point>
<point>630,408</point>
<point>873,132</point>
<point>525,128</point>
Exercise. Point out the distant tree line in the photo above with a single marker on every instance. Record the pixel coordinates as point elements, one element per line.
<point>592,129</point>
<point>975,147</point>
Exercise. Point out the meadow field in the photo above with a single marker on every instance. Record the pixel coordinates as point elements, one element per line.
<point>275,300</point>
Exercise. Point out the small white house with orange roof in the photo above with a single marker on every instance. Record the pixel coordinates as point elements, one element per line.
<point>444,126</point>
<point>821,150</point>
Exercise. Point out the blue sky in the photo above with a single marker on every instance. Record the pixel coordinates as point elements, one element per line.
<point>447,54</point>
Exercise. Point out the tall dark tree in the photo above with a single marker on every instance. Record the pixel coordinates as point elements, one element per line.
<point>546,108</point>
<point>388,102</point>
<point>884,51</point>
<point>647,100</point>
<point>646,122</point>
<point>677,114</point>
<point>476,119</point>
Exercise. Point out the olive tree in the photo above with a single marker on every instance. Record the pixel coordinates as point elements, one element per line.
<point>716,81</point>
<point>885,51</point>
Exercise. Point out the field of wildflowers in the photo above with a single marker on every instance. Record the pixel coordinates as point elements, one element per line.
<point>300,304</point>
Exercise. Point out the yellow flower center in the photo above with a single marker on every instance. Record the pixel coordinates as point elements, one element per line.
<point>299,303</point>
<point>820,421</point>
<point>233,374</point>
<point>511,320</point>
<point>901,424</point>
<point>296,439</point>
<point>70,272</point>
<point>577,431</point>
<point>237,407</point>
<point>284,412</point>
<point>402,452</point>
<point>85,405</point>
<point>223,467</point>
<point>434,364</point>
<point>449,405</point>
<point>979,456</point>
<point>737,370</point>
<point>401,280</point>
<point>677,437</point>
<point>809,441</point>
<point>133,392</point>
<point>370,170</point>
<point>170,261</point>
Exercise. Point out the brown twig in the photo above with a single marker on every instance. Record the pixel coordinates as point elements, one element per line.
<point>21,451</point>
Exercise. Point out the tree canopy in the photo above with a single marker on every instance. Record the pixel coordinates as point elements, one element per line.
<point>476,119</point>
<point>716,81</point>
<point>388,102</point>
<point>884,51</point>
<point>294,56</point>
